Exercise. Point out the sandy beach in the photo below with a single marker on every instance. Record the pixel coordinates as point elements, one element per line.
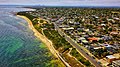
<point>45,40</point>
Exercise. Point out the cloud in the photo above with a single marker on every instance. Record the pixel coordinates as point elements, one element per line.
<point>65,2</point>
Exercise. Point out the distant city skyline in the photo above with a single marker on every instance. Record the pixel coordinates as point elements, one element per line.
<point>62,2</point>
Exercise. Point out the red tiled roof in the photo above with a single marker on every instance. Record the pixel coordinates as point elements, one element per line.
<point>93,38</point>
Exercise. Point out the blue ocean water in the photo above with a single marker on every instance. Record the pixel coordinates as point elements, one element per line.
<point>18,45</point>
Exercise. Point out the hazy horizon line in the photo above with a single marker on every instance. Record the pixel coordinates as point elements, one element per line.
<point>37,5</point>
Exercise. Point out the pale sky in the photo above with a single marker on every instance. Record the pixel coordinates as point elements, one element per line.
<point>64,2</point>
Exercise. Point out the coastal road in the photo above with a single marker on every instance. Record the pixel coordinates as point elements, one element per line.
<point>45,40</point>
<point>75,45</point>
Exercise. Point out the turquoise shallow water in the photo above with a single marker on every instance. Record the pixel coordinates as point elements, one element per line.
<point>18,46</point>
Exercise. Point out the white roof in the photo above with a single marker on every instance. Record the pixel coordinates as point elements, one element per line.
<point>110,56</point>
<point>85,41</point>
<point>81,38</point>
<point>106,45</point>
<point>71,22</point>
<point>71,28</point>
<point>97,47</point>
<point>103,24</point>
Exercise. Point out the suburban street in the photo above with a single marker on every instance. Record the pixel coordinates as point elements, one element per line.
<point>75,45</point>
<point>93,34</point>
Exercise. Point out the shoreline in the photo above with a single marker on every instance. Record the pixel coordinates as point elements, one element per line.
<point>39,35</point>
<point>44,40</point>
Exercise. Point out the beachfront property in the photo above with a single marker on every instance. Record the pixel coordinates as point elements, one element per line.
<point>97,30</point>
